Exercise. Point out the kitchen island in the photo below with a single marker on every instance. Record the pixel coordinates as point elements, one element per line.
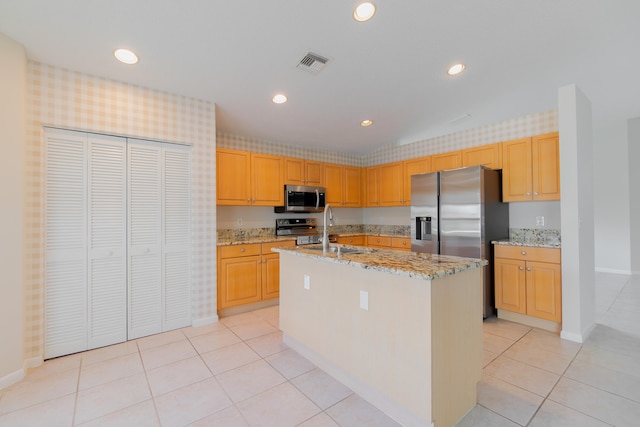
<point>402,329</point>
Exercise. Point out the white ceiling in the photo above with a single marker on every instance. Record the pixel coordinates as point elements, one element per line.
<point>239,53</point>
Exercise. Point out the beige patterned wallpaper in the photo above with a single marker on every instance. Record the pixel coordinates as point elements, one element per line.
<point>533,124</point>
<point>71,100</point>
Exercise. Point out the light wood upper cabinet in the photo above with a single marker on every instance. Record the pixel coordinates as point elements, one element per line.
<point>448,160</point>
<point>528,280</point>
<point>485,155</point>
<point>546,166</point>
<point>343,185</point>
<point>233,177</point>
<point>531,168</point>
<point>413,167</point>
<point>249,179</point>
<point>372,182</point>
<point>391,184</point>
<point>302,172</point>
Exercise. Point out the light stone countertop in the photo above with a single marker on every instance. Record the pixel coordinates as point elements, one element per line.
<point>410,264</point>
<point>273,238</point>
<point>535,244</point>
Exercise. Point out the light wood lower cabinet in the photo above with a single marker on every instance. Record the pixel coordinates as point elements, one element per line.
<point>352,240</point>
<point>528,280</point>
<point>248,273</point>
<point>387,242</point>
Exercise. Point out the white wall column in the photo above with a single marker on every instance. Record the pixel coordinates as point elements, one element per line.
<point>611,199</point>
<point>576,183</point>
<point>633,126</point>
<point>13,65</point>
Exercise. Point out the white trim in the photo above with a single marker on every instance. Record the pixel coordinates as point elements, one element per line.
<point>614,271</point>
<point>534,322</point>
<point>11,378</point>
<point>204,321</point>
<point>371,395</point>
<point>33,362</point>
<point>579,338</point>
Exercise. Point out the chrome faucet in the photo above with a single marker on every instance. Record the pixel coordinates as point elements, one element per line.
<point>325,235</point>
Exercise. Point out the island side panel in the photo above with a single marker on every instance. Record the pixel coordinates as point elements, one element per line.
<point>387,347</point>
<point>457,344</point>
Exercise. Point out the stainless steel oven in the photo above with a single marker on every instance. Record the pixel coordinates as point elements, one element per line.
<point>303,228</point>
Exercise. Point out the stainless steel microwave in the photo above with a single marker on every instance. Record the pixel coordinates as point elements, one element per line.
<point>302,198</point>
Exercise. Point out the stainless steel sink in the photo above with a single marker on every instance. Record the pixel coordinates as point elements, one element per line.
<point>343,249</point>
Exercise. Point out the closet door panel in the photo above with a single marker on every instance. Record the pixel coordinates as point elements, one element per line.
<point>107,215</point>
<point>144,238</point>
<point>176,234</point>
<point>65,243</point>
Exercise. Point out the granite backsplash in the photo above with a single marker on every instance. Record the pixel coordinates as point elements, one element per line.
<point>535,236</point>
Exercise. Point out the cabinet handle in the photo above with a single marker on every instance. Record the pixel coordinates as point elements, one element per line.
<point>535,193</point>
<point>528,193</point>
<point>520,268</point>
<point>528,268</point>
<point>523,253</point>
<point>241,249</point>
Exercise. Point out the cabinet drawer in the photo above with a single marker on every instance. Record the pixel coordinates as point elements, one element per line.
<point>379,241</point>
<point>401,243</point>
<point>528,253</point>
<point>233,251</point>
<point>266,247</point>
<point>352,240</point>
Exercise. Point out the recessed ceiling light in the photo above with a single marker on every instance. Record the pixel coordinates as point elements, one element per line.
<point>126,56</point>
<point>364,11</point>
<point>366,123</point>
<point>279,99</point>
<point>456,69</point>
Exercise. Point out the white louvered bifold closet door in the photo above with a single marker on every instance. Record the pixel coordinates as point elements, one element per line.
<point>107,215</point>
<point>65,301</point>
<point>176,244</point>
<point>145,227</point>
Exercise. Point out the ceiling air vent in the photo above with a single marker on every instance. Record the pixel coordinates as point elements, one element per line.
<point>313,63</point>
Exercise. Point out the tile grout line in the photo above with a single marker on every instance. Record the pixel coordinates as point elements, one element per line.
<point>146,377</point>
<point>77,393</point>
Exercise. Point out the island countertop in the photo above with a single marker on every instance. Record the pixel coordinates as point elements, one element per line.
<point>410,264</point>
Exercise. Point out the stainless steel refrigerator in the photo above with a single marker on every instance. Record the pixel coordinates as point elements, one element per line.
<point>459,212</point>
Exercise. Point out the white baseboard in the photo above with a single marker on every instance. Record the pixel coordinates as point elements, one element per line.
<point>204,321</point>
<point>32,362</point>
<point>579,338</point>
<point>11,378</point>
<point>614,271</point>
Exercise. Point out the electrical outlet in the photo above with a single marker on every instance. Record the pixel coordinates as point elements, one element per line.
<point>239,222</point>
<point>364,300</point>
<point>307,282</point>
<point>540,220</point>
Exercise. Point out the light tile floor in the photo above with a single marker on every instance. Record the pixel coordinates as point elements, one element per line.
<point>239,373</point>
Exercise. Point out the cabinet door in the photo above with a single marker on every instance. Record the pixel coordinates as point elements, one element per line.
<point>294,172</point>
<point>313,172</point>
<point>267,176</point>
<point>486,155</point>
<point>372,186</point>
<point>510,285</point>
<point>65,243</point>
<point>444,161</point>
<point>516,170</point>
<point>107,235</point>
<point>270,276</point>
<point>546,167</point>
<point>333,183</point>
<point>241,281</point>
<point>391,190</point>
<point>233,177</point>
<point>544,290</point>
<point>144,239</point>
<point>413,167</point>
<point>176,236</point>
<point>351,186</point>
